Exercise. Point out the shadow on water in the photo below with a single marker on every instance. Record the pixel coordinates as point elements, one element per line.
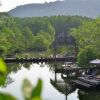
<point>56,87</point>
<point>90,95</point>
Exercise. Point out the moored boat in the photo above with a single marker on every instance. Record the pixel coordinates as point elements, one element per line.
<point>88,82</point>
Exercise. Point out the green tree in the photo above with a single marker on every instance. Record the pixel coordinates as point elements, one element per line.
<point>86,55</point>
<point>28,37</point>
<point>40,43</point>
<point>87,34</point>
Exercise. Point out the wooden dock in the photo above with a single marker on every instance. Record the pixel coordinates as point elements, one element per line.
<point>71,70</point>
<point>46,59</point>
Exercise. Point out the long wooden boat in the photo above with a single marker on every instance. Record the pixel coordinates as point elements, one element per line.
<point>87,82</point>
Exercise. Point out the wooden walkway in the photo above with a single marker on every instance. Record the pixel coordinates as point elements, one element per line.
<point>49,59</point>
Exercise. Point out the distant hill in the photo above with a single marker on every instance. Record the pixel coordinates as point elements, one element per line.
<point>89,8</point>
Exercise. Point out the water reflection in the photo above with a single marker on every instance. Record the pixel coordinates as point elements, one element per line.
<point>8,81</point>
<point>63,87</point>
<point>55,87</point>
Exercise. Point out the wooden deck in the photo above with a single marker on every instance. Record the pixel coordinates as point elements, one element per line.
<point>48,59</point>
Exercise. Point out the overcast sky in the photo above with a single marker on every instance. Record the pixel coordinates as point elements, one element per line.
<point>6,5</point>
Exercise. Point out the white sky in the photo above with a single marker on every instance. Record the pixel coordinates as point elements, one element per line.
<point>6,5</point>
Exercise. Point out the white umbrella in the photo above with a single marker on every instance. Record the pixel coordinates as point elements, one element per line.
<point>96,61</point>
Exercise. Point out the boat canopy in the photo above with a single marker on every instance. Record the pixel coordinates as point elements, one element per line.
<point>96,61</point>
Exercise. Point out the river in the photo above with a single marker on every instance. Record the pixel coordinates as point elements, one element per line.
<point>52,89</point>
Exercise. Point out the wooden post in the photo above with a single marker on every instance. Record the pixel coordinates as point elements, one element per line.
<point>55,51</point>
<point>66,91</point>
<point>55,77</point>
<point>75,52</point>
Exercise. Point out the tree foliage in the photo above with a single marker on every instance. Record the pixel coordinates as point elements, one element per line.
<point>36,33</point>
<point>86,55</point>
<point>87,35</point>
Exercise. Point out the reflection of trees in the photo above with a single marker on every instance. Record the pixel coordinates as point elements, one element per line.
<point>27,65</point>
<point>13,67</point>
<point>94,95</point>
<point>6,79</point>
<point>42,65</point>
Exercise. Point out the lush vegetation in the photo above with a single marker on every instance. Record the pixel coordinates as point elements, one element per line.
<point>87,41</point>
<point>45,33</point>
<point>36,33</point>
<point>41,34</point>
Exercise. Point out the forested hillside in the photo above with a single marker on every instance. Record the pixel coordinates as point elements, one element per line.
<point>89,8</point>
<point>36,33</point>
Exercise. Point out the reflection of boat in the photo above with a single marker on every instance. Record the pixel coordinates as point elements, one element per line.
<point>60,86</point>
<point>63,87</point>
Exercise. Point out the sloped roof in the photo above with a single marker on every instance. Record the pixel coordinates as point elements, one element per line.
<point>96,61</point>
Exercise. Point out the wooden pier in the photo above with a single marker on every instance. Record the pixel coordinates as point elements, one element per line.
<point>71,70</point>
<point>46,59</point>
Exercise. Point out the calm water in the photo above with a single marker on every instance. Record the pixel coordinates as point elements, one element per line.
<point>52,89</point>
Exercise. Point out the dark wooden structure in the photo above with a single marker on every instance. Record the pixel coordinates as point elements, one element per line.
<point>87,83</point>
<point>46,59</point>
<point>68,70</point>
<point>75,72</point>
